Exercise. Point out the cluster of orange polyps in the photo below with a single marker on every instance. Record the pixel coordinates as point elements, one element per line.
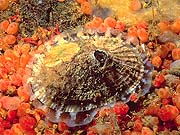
<point>86,7</point>
<point>168,49</point>
<point>172,26</point>
<point>103,25</point>
<point>8,30</point>
<point>138,31</point>
<point>13,77</point>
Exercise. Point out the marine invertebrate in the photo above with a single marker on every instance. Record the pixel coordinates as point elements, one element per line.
<point>4,25</point>
<point>10,39</point>
<point>4,4</point>
<point>12,28</point>
<point>176,54</point>
<point>135,5</point>
<point>78,74</point>
<point>86,8</point>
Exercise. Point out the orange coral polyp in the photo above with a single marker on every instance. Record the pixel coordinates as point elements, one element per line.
<point>10,39</point>
<point>86,8</point>
<point>4,4</point>
<point>110,22</point>
<point>4,25</point>
<point>13,28</point>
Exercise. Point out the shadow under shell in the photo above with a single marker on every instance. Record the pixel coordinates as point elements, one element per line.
<point>77,75</point>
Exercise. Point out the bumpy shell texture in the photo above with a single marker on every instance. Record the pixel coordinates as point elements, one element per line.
<point>80,73</point>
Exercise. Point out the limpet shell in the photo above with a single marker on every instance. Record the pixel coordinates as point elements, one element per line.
<point>80,73</point>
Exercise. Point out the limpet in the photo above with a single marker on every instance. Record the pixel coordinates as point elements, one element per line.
<point>79,73</point>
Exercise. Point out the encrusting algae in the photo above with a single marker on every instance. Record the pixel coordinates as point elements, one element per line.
<point>50,13</point>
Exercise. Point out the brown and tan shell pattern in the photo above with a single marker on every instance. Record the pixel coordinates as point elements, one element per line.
<point>80,73</point>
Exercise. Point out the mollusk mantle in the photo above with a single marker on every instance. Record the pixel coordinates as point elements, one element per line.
<point>80,73</point>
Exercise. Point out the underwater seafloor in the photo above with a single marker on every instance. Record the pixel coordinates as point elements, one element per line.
<point>89,67</point>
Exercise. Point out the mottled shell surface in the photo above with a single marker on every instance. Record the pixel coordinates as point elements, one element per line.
<point>81,73</point>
